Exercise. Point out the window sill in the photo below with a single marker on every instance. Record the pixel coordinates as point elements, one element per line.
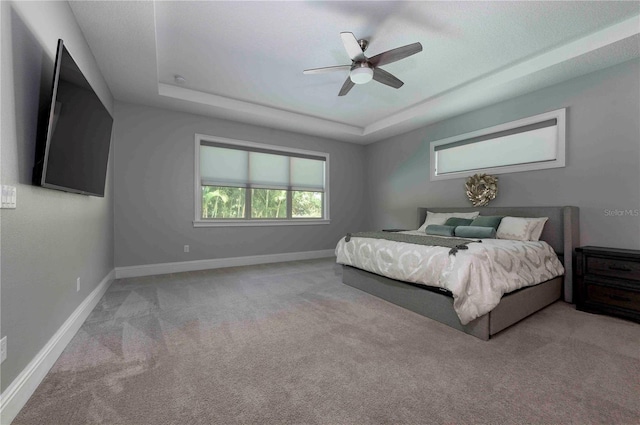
<point>259,223</point>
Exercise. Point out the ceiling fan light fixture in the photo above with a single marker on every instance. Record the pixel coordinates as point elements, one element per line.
<point>361,74</point>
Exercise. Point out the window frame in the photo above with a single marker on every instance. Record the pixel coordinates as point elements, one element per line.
<point>199,221</point>
<point>559,115</point>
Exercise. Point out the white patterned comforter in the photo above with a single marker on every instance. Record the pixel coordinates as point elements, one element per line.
<point>477,277</point>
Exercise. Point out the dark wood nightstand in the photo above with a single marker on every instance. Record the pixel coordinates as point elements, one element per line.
<point>608,281</point>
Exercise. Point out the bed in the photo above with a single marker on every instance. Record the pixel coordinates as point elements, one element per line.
<point>561,233</point>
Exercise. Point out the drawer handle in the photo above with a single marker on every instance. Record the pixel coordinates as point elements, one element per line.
<point>620,268</point>
<point>619,298</point>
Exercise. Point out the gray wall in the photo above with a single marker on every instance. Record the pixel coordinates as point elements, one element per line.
<point>154,190</point>
<point>52,237</point>
<point>602,170</point>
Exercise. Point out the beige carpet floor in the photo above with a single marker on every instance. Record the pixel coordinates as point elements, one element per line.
<point>290,344</point>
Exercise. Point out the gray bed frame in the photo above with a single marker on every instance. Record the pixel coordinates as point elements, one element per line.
<point>561,232</point>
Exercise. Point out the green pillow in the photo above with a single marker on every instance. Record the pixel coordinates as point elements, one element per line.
<point>487,221</point>
<point>457,221</point>
<point>439,230</point>
<point>475,232</point>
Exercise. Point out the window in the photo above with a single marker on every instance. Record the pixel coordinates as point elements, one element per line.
<point>532,143</point>
<point>246,184</point>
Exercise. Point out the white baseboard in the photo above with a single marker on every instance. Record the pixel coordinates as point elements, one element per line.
<point>18,392</point>
<point>188,266</point>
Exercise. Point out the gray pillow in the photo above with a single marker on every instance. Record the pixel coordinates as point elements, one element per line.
<point>475,232</point>
<point>458,221</point>
<point>440,230</point>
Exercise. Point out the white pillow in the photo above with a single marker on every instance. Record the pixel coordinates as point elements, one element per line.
<point>441,218</point>
<point>521,228</point>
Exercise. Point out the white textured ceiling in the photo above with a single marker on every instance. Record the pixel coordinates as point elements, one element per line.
<point>244,60</point>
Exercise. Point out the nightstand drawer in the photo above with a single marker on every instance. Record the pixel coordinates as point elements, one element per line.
<point>618,297</point>
<point>613,267</point>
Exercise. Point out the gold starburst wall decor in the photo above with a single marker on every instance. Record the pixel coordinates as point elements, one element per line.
<point>481,188</point>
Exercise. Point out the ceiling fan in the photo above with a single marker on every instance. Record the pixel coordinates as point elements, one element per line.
<point>363,69</point>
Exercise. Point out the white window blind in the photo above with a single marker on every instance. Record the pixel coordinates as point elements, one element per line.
<point>524,147</point>
<point>307,174</point>
<point>224,167</point>
<point>230,166</point>
<point>529,144</point>
<point>268,170</point>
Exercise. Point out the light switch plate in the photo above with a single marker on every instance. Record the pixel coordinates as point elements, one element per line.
<point>9,195</point>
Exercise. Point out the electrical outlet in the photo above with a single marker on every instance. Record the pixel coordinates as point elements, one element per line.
<point>186,248</point>
<point>78,285</point>
<point>3,349</point>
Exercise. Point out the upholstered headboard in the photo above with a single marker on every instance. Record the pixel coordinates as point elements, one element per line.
<point>562,231</point>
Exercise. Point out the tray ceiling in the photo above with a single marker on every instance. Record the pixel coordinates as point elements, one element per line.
<point>244,60</point>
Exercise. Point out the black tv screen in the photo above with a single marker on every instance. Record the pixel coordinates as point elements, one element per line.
<point>75,133</point>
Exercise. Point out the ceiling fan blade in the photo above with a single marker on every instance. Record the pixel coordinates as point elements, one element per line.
<point>395,54</point>
<point>327,69</point>
<point>348,85</point>
<point>352,46</point>
<point>382,76</point>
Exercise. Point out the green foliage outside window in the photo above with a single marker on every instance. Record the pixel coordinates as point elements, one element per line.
<point>268,203</point>
<point>219,202</point>
<point>223,202</point>
<point>306,204</point>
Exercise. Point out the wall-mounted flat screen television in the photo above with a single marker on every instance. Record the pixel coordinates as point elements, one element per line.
<point>75,133</point>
